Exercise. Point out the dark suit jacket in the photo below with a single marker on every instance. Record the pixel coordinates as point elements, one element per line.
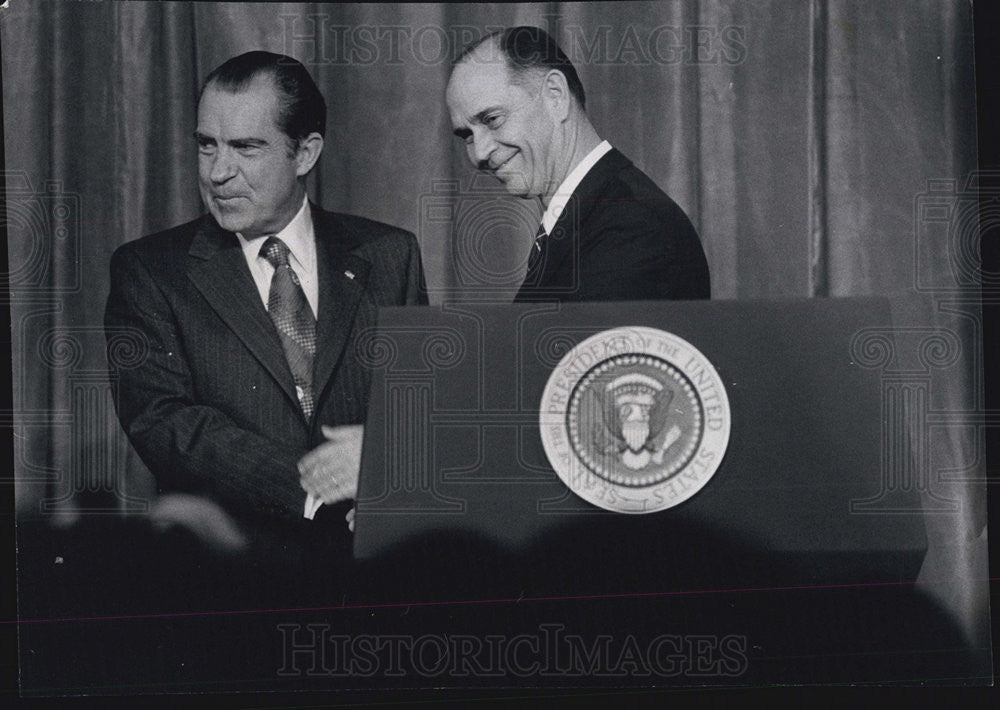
<point>211,408</point>
<point>620,238</point>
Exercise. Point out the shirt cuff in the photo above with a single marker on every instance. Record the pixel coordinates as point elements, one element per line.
<point>312,505</point>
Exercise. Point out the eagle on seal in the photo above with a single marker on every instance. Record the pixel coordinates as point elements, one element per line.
<point>634,414</point>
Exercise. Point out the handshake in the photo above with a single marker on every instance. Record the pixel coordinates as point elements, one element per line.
<point>329,473</point>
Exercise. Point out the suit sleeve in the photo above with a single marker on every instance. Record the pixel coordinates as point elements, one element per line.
<point>416,288</point>
<point>631,256</point>
<point>188,445</point>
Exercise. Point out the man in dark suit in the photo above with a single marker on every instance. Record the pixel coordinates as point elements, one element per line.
<point>252,392</point>
<point>608,232</point>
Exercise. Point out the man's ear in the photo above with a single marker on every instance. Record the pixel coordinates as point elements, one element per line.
<point>555,92</point>
<point>308,153</point>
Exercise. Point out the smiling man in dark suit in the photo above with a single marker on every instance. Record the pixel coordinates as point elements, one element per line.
<point>251,394</point>
<point>608,232</point>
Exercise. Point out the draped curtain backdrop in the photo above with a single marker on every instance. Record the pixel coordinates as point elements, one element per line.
<point>796,135</point>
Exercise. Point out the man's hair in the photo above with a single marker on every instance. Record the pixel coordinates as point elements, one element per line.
<point>301,107</point>
<point>531,50</point>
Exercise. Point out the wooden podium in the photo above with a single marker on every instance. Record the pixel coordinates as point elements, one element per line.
<point>796,562</point>
<point>452,445</point>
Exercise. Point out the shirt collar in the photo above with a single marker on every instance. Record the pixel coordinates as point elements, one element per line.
<point>561,197</point>
<point>297,236</point>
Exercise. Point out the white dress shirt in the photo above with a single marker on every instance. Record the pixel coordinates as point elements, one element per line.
<point>565,190</point>
<point>298,236</point>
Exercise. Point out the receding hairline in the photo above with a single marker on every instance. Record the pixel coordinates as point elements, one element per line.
<point>493,39</point>
<point>516,75</point>
<point>265,75</point>
<point>257,81</point>
<point>262,78</point>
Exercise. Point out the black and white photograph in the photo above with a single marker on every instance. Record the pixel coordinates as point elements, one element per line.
<point>521,350</point>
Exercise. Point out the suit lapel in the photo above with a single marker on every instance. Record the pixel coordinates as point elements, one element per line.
<point>564,242</point>
<point>342,280</point>
<point>219,270</point>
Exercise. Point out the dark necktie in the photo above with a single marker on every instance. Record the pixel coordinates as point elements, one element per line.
<point>536,257</point>
<point>293,318</point>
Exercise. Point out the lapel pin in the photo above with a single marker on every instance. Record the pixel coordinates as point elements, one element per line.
<point>349,274</point>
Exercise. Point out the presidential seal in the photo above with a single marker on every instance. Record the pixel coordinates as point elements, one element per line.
<point>635,420</point>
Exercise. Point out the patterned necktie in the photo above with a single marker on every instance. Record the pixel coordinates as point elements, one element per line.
<point>535,260</point>
<point>293,318</point>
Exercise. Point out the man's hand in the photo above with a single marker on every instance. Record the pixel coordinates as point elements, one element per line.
<point>330,471</point>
